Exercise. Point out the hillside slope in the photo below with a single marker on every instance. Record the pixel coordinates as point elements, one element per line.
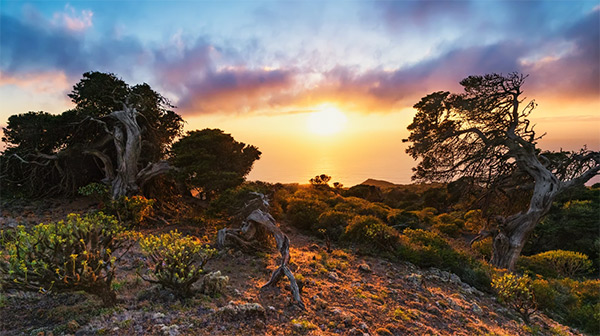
<point>345,294</point>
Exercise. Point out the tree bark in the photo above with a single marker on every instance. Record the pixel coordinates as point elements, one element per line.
<point>514,230</point>
<point>246,238</point>
<point>128,143</point>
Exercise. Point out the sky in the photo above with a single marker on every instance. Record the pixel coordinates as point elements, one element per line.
<point>264,71</point>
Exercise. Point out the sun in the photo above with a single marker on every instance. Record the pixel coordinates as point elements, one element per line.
<point>326,121</point>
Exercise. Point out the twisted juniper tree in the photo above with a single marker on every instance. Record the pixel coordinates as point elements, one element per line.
<point>483,136</point>
<point>117,134</point>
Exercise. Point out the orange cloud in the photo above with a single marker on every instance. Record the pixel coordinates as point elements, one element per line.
<point>43,82</point>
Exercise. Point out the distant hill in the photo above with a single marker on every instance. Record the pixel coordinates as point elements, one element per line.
<point>380,183</point>
<point>418,188</point>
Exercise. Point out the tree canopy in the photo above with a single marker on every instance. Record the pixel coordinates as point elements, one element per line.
<point>116,132</point>
<point>210,160</point>
<point>485,136</point>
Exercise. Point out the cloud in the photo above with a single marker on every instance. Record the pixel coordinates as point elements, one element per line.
<point>45,82</point>
<point>72,20</point>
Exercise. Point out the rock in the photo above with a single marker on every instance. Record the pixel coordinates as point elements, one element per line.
<point>333,276</point>
<point>476,309</point>
<point>414,279</point>
<point>158,316</point>
<point>364,268</point>
<point>172,330</point>
<point>363,326</point>
<point>243,311</point>
<point>214,283</point>
<point>453,305</point>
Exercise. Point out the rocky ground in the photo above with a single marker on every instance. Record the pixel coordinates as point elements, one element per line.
<point>344,293</point>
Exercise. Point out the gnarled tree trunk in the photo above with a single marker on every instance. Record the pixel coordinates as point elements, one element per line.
<point>256,221</point>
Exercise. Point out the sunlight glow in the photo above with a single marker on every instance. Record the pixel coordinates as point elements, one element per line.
<point>326,121</point>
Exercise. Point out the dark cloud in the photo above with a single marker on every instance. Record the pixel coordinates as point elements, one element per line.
<point>30,47</point>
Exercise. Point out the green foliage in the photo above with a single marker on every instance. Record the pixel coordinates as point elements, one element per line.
<point>211,161</point>
<point>99,191</point>
<point>72,254</point>
<point>304,213</point>
<point>572,224</point>
<point>360,206</point>
<point>174,261</point>
<point>483,248</point>
<point>401,219</point>
<point>576,303</point>
<point>333,222</point>
<point>516,292</point>
<point>56,153</point>
<point>130,211</point>
<point>372,231</point>
<point>429,249</point>
<point>367,192</point>
<point>557,263</point>
<point>231,200</point>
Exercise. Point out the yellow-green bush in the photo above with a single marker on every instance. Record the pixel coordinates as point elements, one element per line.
<point>401,219</point>
<point>363,207</point>
<point>72,254</point>
<point>371,230</point>
<point>576,303</point>
<point>304,213</point>
<point>333,222</point>
<point>131,210</point>
<point>174,261</point>
<point>516,292</point>
<point>557,263</point>
<point>483,248</point>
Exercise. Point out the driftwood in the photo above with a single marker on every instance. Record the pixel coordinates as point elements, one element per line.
<point>251,236</point>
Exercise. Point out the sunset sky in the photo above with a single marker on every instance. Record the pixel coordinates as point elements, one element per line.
<point>318,86</point>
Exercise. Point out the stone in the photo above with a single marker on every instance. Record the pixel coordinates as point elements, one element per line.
<point>242,311</point>
<point>365,268</point>
<point>476,309</point>
<point>414,279</point>
<point>333,276</point>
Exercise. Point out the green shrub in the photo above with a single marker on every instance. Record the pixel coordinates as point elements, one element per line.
<point>363,207</point>
<point>304,213</point>
<point>575,303</point>
<point>98,191</point>
<point>333,222</point>
<point>429,249</point>
<point>557,263</point>
<point>517,293</point>
<point>131,211</point>
<point>400,220</point>
<point>371,230</point>
<point>72,254</point>
<point>175,262</point>
<point>483,248</point>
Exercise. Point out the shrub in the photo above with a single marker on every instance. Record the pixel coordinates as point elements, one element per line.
<point>360,206</point>
<point>304,213</point>
<point>429,249</point>
<point>557,263</point>
<point>483,248</point>
<point>72,254</point>
<point>400,220</point>
<point>130,211</point>
<point>517,293</point>
<point>333,222</point>
<point>175,262</point>
<point>572,302</point>
<point>371,230</point>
